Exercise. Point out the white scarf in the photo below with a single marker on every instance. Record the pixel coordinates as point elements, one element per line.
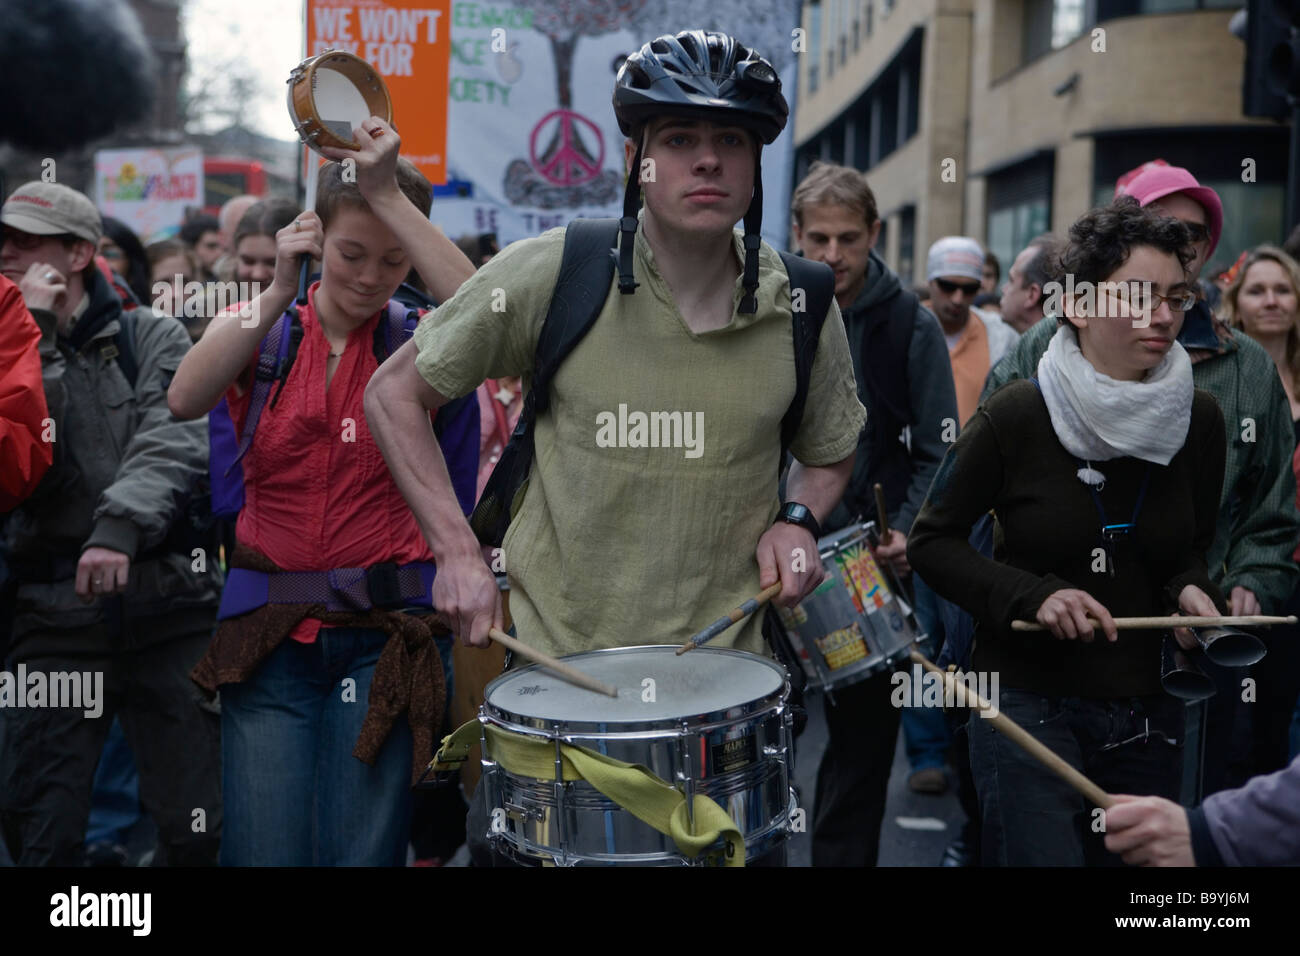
<point>1098,418</point>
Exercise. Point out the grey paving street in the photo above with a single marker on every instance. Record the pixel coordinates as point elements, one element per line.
<point>917,827</point>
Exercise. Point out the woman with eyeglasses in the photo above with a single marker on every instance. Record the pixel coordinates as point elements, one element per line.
<point>1263,301</point>
<point>1104,473</point>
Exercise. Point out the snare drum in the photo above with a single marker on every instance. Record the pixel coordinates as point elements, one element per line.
<point>333,93</point>
<point>713,722</point>
<point>854,625</point>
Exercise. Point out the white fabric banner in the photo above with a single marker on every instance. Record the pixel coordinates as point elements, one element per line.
<point>532,141</point>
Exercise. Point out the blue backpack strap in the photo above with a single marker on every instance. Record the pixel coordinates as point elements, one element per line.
<point>273,358</point>
<point>393,330</point>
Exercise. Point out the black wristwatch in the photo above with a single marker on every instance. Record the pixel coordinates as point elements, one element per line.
<point>795,513</point>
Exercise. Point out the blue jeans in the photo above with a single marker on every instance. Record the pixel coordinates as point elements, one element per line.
<point>926,737</point>
<point>294,794</point>
<point>1033,818</point>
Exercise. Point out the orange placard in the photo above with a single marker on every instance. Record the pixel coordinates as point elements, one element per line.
<point>409,43</point>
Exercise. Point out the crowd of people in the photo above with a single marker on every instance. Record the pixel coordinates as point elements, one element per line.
<point>279,667</point>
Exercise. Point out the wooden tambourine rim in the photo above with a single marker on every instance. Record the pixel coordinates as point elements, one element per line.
<point>302,109</point>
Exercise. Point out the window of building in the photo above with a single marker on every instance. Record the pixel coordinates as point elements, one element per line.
<point>1019,206</point>
<point>1050,25</point>
<point>870,4</point>
<point>814,42</point>
<point>856,34</point>
<point>906,245</point>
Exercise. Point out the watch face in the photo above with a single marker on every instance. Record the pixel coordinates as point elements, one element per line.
<point>796,512</point>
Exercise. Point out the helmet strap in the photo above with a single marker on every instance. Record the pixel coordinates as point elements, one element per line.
<point>753,239</point>
<point>628,224</point>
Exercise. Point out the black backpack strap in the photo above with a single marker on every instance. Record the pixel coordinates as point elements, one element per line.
<point>586,272</point>
<point>817,283</point>
<point>125,342</point>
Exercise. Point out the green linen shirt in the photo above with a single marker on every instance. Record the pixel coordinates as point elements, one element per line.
<point>655,471</point>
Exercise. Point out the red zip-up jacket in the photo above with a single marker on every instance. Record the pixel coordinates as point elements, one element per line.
<point>24,455</point>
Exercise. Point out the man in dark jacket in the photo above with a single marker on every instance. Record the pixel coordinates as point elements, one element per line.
<point>905,381</point>
<point>115,601</point>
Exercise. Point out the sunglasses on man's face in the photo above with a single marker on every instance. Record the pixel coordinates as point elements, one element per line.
<point>948,288</point>
<point>1198,230</point>
<point>28,241</point>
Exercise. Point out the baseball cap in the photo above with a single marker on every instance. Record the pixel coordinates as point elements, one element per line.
<point>1157,179</point>
<point>48,209</point>
<point>955,256</point>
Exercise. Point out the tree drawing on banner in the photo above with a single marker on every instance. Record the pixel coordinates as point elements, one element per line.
<point>566,149</point>
<point>762,25</point>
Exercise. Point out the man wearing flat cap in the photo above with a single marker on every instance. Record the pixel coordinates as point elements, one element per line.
<point>110,587</point>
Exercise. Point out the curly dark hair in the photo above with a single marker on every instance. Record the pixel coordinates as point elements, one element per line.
<point>1102,239</point>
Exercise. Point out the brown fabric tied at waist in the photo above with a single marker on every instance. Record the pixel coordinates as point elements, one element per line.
<point>408,677</point>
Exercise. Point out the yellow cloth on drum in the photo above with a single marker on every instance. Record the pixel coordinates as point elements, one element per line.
<point>634,788</point>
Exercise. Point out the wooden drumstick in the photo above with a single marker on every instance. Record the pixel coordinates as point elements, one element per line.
<point>882,513</point>
<point>1030,744</point>
<point>724,622</point>
<point>1173,620</point>
<point>571,674</point>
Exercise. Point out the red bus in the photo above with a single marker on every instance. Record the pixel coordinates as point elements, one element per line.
<point>225,177</point>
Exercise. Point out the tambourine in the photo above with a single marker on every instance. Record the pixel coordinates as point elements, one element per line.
<point>331,94</point>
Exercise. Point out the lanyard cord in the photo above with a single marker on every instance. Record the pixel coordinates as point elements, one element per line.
<point>1111,531</point>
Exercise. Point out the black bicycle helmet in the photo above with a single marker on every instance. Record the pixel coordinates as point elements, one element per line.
<point>696,72</point>
<point>705,75</point>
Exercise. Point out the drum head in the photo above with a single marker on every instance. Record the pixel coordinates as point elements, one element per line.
<point>705,681</point>
<point>339,103</point>
<point>332,94</point>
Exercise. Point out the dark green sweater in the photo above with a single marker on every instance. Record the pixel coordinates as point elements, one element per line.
<point>1009,460</point>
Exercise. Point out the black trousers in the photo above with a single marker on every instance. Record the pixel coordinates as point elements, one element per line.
<point>853,777</point>
<point>1033,818</point>
<point>1277,686</point>
<point>48,755</point>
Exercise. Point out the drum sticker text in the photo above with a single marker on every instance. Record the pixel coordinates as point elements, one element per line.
<point>843,647</point>
<point>534,689</point>
<point>734,754</point>
<point>869,590</point>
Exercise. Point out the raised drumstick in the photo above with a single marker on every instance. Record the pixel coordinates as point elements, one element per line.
<point>882,513</point>
<point>724,622</point>
<point>571,674</point>
<point>1030,744</point>
<point>1173,620</point>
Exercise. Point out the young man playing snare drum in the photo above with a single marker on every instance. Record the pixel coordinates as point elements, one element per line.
<point>616,546</point>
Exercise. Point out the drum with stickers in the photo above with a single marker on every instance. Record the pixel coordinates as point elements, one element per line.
<point>855,623</point>
<point>572,777</point>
